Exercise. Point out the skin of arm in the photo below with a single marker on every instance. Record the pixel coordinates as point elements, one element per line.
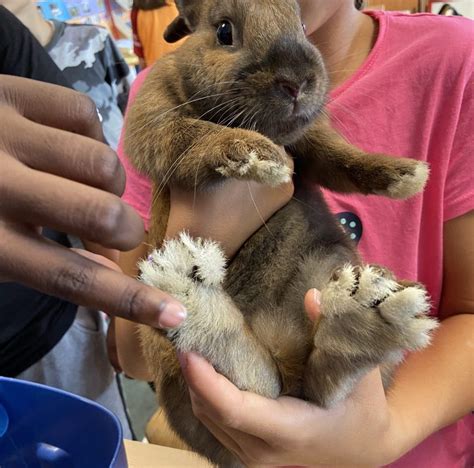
<point>435,385</point>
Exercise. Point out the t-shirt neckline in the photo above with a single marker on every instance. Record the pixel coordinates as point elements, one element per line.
<point>381,18</point>
<point>59,27</point>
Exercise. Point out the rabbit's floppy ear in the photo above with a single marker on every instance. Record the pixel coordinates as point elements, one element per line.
<point>176,30</point>
<point>186,22</point>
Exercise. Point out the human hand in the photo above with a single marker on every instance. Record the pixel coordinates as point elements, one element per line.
<point>287,430</point>
<point>228,214</point>
<point>56,172</point>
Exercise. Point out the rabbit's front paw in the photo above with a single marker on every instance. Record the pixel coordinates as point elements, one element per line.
<point>404,179</point>
<point>382,315</point>
<point>258,160</point>
<point>184,264</point>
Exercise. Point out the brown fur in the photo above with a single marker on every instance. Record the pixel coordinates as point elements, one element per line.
<point>209,111</point>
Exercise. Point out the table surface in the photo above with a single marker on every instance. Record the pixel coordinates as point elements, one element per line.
<point>141,455</point>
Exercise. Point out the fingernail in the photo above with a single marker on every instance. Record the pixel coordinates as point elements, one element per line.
<point>183,359</point>
<point>172,315</point>
<point>317,297</point>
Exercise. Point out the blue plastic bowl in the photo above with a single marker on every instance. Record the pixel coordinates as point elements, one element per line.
<point>41,427</point>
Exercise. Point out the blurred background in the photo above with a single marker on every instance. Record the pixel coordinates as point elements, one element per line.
<point>116,15</point>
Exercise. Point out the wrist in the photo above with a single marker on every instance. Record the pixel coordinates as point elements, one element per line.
<point>230,214</point>
<point>382,446</point>
<point>404,432</point>
<point>392,442</point>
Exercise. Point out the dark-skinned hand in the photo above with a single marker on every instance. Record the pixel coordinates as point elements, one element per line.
<point>56,171</point>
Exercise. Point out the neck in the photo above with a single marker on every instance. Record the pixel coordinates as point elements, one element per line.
<point>345,40</point>
<point>34,21</point>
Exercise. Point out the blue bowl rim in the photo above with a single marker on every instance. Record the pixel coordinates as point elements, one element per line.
<point>116,421</point>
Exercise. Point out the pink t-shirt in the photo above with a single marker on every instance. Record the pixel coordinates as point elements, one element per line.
<point>412,97</point>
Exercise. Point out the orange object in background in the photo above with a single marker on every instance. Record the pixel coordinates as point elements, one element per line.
<point>398,5</point>
<point>149,27</point>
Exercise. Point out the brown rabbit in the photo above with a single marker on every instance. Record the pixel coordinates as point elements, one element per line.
<point>246,81</point>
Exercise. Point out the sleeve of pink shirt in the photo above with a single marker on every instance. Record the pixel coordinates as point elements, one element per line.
<point>138,189</point>
<point>459,188</point>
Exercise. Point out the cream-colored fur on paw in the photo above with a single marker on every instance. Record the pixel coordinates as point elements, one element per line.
<point>174,267</point>
<point>338,290</point>
<point>373,286</point>
<point>265,171</point>
<point>405,308</point>
<point>366,286</point>
<point>208,257</point>
<point>409,185</point>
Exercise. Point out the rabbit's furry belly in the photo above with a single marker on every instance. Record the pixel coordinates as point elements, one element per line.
<point>297,249</point>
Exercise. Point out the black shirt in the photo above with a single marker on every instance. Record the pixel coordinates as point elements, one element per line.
<point>31,323</point>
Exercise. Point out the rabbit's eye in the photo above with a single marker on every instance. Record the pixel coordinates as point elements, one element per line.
<point>224,33</point>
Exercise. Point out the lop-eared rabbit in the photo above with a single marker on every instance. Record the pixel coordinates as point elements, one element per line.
<point>245,85</point>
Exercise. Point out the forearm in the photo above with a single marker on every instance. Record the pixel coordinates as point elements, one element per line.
<point>129,351</point>
<point>229,215</point>
<point>433,388</point>
<point>128,341</point>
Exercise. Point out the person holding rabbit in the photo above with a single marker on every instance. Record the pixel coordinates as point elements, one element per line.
<point>379,65</point>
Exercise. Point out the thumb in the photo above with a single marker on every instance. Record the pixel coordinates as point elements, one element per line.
<point>312,304</point>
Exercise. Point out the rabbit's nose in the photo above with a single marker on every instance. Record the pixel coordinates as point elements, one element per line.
<point>291,88</point>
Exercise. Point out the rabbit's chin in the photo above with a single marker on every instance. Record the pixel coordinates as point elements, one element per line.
<point>285,131</point>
